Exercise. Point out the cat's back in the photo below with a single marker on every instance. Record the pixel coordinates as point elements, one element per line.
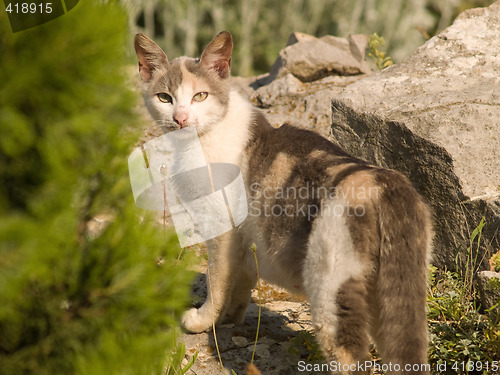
<point>296,155</point>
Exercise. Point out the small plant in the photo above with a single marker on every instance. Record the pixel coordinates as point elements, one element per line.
<point>175,365</point>
<point>306,342</point>
<point>379,57</point>
<point>495,262</point>
<point>471,266</point>
<point>254,251</point>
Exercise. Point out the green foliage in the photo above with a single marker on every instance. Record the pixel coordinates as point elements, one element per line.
<point>460,333</point>
<point>77,299</point>
<point>379,57</point>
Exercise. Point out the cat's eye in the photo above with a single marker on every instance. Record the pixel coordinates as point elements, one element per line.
<point>201,96</point>
<point>164,97</point>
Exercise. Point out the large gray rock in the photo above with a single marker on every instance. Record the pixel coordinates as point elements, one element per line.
<point>436,118</point>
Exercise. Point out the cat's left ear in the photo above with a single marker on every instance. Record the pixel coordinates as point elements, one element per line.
<point>217,55</point>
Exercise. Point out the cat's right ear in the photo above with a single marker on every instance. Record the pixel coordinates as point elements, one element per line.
<point>151,57</point>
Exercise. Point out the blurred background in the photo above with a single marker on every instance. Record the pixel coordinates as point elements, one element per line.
<point>261,28</point>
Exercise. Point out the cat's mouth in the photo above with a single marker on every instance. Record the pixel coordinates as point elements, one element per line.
<point>167,126</point>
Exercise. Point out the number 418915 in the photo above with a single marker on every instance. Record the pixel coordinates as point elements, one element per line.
<point>472,366</point>
<point>29,8</point>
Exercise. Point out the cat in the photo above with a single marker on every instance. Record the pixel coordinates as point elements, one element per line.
<point>354,238</point>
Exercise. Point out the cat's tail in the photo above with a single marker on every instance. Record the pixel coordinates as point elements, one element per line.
<point>405,223</point>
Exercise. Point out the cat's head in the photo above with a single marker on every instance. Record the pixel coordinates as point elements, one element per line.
<point>184,91</point>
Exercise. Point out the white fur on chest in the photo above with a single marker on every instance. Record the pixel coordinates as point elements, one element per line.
<point>226,141</point>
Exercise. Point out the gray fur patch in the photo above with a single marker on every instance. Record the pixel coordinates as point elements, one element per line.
<point>170,79</point>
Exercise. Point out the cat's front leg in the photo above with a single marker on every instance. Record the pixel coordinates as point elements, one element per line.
<point>198,320</point>
<point>219,286</point>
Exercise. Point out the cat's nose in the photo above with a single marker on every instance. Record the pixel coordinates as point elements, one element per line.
<point>181,118</point>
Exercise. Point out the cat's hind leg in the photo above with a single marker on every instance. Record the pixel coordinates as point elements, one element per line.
<point>335,283</point>
<point>244,279</point>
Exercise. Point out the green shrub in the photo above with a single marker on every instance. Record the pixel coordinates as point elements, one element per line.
<point>77,299</point>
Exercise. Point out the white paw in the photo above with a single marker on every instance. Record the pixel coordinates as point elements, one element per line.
<point>195,322</point>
